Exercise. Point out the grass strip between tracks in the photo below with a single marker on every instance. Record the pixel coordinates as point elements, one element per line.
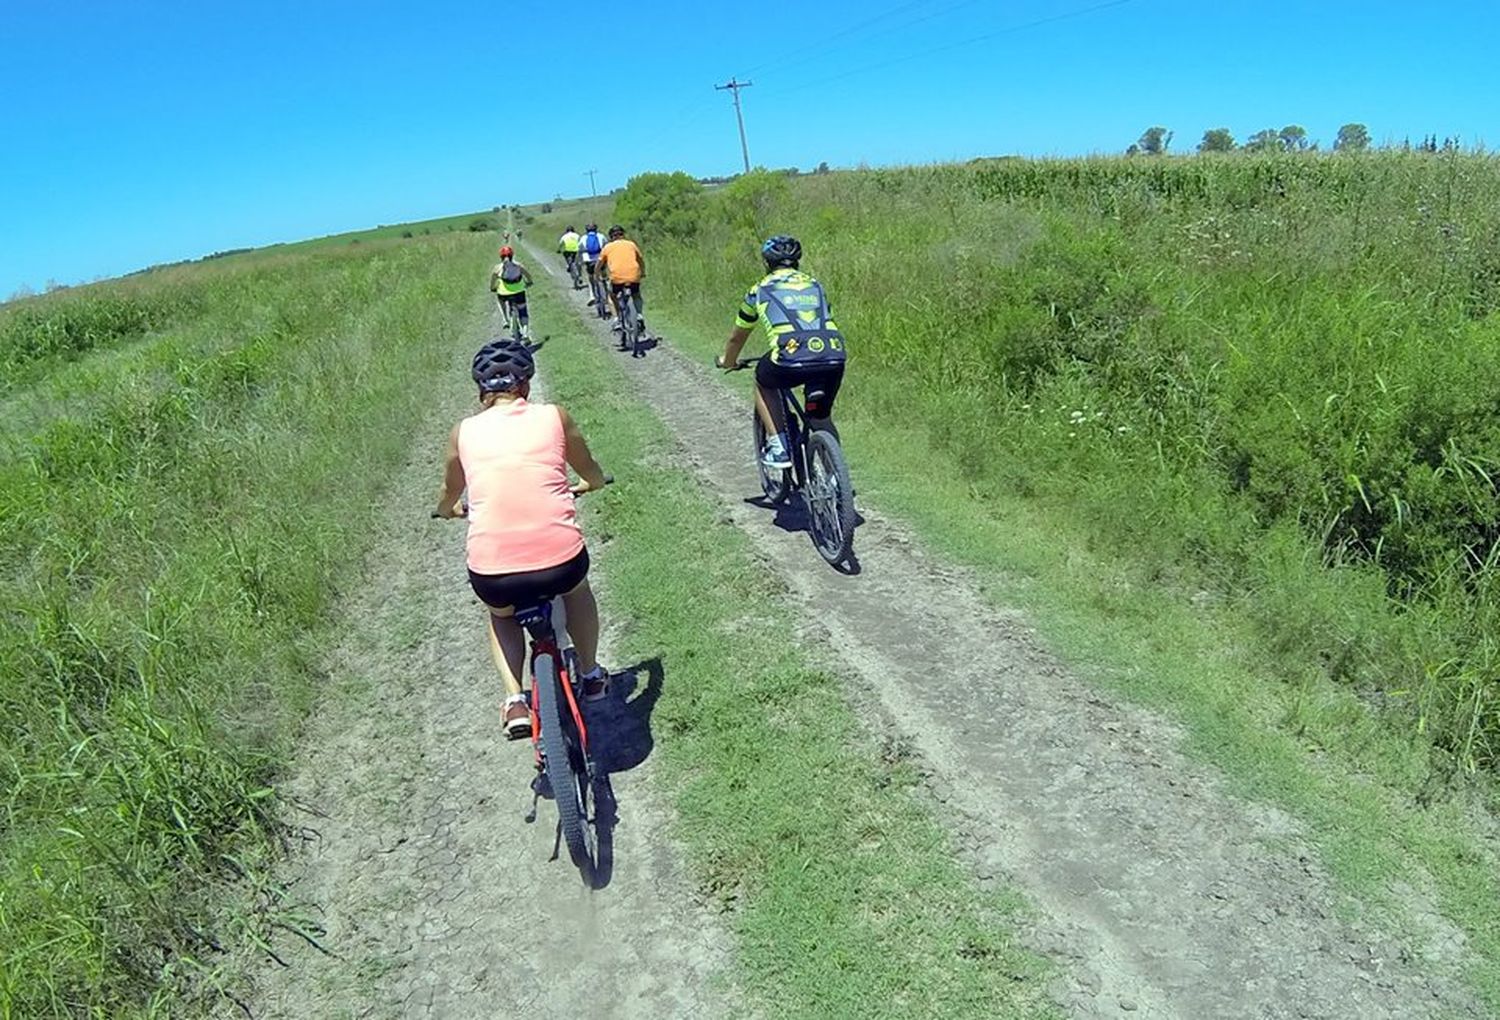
<point>842,889</point>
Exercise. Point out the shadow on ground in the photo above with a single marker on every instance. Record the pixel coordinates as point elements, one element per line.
<point>790,516</point>
<point>620,730</point>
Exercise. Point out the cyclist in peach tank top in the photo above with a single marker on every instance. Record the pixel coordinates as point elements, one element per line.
<point>524,543</point>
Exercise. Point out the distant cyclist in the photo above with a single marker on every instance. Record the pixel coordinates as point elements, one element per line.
<point>589,248</point>
<point>568,245</point>
<point>806,347</point>
<point>524,544</point>
<point>509,280</point>
<point>624,267</point>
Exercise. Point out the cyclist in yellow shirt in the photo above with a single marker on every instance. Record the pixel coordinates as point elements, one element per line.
<point>568,245</point>
<point>509,280</point>
<point>806,347</point>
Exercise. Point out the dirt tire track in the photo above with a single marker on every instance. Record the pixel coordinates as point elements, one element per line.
<point>436,898</point>
<point>1165,895</point>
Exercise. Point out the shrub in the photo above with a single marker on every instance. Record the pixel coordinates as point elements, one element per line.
<point>660,205</point>
<point>481,223</point>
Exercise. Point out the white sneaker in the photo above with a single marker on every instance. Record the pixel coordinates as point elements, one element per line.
<point>595,684</point>
<point>774,455</point>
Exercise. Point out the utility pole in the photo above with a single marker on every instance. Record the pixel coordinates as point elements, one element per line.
<point>592,190</point>
<point>734,87</point>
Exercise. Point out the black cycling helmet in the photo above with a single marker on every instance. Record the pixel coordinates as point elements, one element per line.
<point>616,231</point>
<point>502,364</point>
<point>782,250</point>
<point>592,228</point>
<point>571,230</point>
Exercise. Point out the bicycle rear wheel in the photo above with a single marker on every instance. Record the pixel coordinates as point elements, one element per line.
<point>774,483</point>
<point>627,322</point>
<point>567,770</point>
<point>830,497</point>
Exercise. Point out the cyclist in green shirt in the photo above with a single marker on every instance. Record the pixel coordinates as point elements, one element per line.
<point>509,280</point>
<point>568,245</point>
<point>806,347</point>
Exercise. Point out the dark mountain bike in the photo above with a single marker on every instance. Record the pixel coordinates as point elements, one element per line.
<point>510,319</point>
<point>601,300</point>
<point>819,473</point>
<point>632,326</point>
<point>575,270</point>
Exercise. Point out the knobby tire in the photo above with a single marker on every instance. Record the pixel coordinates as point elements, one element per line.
<point>830,514</point>
<point>567,772</point>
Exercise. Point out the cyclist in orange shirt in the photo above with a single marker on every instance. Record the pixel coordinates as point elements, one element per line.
<point>625,267</point>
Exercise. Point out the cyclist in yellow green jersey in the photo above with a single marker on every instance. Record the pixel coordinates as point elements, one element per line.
<point>509,280</point>
<point>806,347</point>
<point>568,245</point>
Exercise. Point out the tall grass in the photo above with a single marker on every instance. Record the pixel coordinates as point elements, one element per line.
<point>177,518</point>
<point>1276,376</point>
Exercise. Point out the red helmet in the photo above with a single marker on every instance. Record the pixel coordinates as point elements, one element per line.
<point>507,252</point>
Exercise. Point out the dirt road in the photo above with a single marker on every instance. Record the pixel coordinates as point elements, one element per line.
<point>1164,895</point>
<point>434,897</point>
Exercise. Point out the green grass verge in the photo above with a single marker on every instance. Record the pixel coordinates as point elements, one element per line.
<point>1280,733</point>
<point>842,889</point>
<point>179,511</point>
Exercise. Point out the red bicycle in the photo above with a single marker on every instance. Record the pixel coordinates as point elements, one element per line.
<point>566,771</point>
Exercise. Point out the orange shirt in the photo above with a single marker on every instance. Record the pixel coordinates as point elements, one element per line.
<point>521,513</point>
<point>623,260</point>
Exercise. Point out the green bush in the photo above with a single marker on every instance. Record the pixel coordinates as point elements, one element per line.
<point>660,205</point>
<point>482,223</point>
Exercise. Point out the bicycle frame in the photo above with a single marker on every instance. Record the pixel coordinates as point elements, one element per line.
<point>797,428</point>
<point>537,622</point>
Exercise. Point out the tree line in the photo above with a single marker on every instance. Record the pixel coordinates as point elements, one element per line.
<point>1352,137</point>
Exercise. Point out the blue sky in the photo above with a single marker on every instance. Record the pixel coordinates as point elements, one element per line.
<point>144,132</point>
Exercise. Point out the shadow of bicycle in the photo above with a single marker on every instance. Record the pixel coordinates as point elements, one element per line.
<point>791,516</point>
<point>620,731</point>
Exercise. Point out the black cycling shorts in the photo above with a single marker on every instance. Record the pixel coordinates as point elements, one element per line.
<point>820,382</point>
<point>530,587</point>
<point>519,300</point>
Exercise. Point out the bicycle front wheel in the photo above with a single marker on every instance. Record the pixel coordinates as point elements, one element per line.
<point>567,769</point>
<point>830,497</point>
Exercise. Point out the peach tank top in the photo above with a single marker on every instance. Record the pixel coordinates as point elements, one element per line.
<point>521,515</point>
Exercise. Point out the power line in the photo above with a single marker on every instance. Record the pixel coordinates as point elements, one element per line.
<point>945,47</point>
<point>734,86</point>
<point>822,42</point>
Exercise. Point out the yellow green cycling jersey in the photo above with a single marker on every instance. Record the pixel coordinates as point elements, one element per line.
<point>795,318</point>
<point>569,242</point>
<point>501,285</point>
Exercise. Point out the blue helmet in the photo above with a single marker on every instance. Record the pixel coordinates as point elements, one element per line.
<point>781,250</point>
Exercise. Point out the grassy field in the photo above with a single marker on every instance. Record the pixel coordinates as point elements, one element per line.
<point>844,893</point>
<point>183,479</point>
<point>1223,425</point>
